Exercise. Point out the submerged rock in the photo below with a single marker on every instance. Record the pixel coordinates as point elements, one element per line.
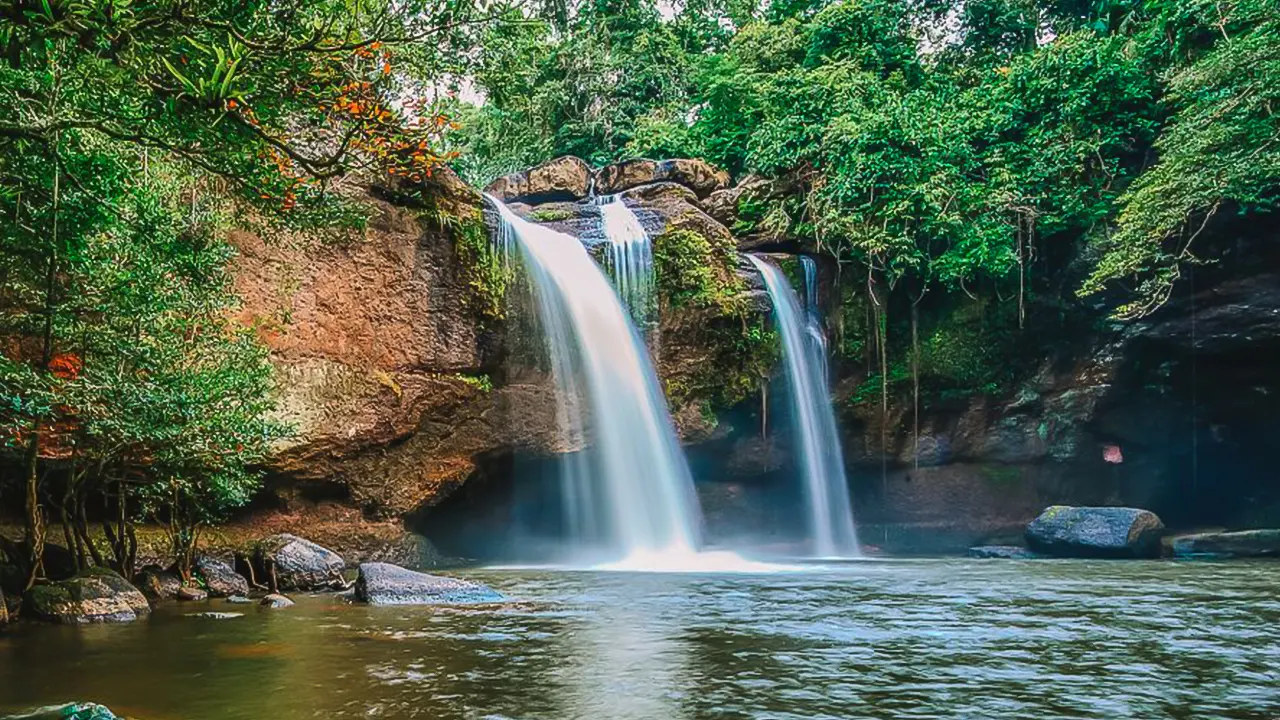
<point>275,600</point>
<point>1240,543</point>
<point>221,579</point>
<point>1005,552</point>
<point>96,595</point>
<point>239,600</point>
<point>565,178</point>
<point>70,711</point>
<point>298,564</point>
<point>1099,532</point>
<point>386,584</point>
<point>216,615</point>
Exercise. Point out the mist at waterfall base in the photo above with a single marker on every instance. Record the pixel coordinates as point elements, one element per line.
<point>817,443</point>
<point>628,496</point>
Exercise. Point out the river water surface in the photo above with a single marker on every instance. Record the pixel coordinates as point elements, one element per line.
<point>875,639</point>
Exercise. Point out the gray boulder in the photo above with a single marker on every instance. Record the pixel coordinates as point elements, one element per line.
<point>96,595</point>
<point>1241,543</point>
<point>298,564</point>
<point>387,584</point>
<point>1096,532</point>
<point>220,578</point>
<point>1004,552</point>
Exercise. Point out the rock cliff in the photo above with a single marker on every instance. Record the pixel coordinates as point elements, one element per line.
<point>409,374</point>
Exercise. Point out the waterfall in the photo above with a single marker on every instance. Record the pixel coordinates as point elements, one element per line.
<point>629,495</point>
<point>630,256</point>
<point>812,417</point>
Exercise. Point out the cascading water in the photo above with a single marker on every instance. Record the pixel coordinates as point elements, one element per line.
<point>630,256</point>
<point>812,417</point>
<point>629,495</point>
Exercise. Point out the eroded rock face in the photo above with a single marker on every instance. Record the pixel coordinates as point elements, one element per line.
<point>298,564</point>
<point>1105,532</point>
<point>386,365</point>
<point>221,579</point>
<point>96,595</point>
<point>565,178</point>
<point>387,584</point>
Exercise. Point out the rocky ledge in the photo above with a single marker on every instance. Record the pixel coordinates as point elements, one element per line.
<point>1242,543</point>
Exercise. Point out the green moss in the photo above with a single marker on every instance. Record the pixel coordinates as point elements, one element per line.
<point>746,352</point>
<point>549,215</point>
<point>1001,476</point>
<point>486,275</point>
<point>43,599</point>
<point>480,381</point>
<point>691,271</point>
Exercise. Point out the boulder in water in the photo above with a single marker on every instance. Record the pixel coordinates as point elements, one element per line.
<point>1240,543</point>
<point>159,584</point>
<point>1096,532</point>
<point>96,595</point>
<point>298,564</point>
<point>387,584</point>
<point>276,600</point>
<point>565,178</point>
<point>1005,552</point>
<point>220,578</point>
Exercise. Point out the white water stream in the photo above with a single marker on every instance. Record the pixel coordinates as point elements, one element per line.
<point>813,419</point>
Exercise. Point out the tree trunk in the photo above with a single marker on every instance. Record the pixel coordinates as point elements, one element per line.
<point>33,517</point>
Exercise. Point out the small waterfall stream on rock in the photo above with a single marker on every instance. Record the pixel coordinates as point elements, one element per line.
<point>630,256</point>
<point>813,420</point>
<point>629,495</point>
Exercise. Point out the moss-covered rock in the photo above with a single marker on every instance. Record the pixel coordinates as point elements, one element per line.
<point>95,595</point>
<point>1104,532</point>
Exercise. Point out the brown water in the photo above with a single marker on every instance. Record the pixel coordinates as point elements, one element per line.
<point>887,639</point>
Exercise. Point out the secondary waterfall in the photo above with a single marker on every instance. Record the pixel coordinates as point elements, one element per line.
<point>629,495</point>
<point>630,256</point>
<point>812,417</point>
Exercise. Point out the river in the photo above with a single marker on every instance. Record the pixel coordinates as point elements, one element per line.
<point>943,638</point>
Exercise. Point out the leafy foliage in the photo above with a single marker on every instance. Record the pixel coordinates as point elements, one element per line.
<point>129,130</point>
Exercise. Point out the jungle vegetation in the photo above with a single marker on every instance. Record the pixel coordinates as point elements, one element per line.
<point>984,169</point>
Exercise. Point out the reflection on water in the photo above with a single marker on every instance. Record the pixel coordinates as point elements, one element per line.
<point>897,639</point>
